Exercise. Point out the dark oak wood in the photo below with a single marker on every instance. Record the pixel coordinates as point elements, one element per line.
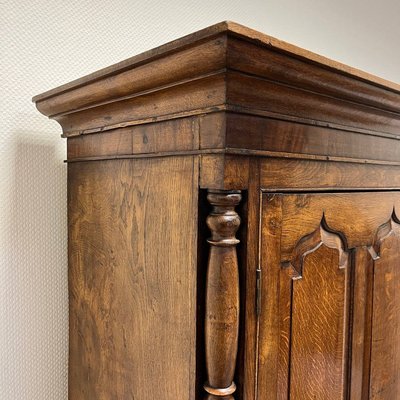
<point>132,281</point>
<point>295,138</point>
<point>308,346</point>
<point>215,70</point>
<point>361,319</point>
<point>318,300</point>
<point>318,352</point>
<point>222,296</point>
<point>229,126</point>
<point>385,343</point>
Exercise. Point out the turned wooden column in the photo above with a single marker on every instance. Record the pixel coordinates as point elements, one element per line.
<point>222,295</point>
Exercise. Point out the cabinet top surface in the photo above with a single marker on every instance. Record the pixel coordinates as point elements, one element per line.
<point>224,89</point>
<point>229,28</point>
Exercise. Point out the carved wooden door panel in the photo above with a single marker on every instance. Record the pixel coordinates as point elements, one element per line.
<point>329,326</point>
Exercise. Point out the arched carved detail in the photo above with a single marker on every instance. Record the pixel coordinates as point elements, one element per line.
<point>389,228</point>
<point>323,235</point>
<point>222,296</point>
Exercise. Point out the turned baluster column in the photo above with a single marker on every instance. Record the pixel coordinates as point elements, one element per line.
<point>222,295</point>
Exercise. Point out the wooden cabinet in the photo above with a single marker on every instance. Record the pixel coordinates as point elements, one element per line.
<point>330,275</point>
<point>234,231</point>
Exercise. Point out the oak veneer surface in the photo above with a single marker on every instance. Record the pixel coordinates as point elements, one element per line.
<point>320,302</point>
<point>216,70</point>
<point>311,344</point>
<point>226,26</point>
<point>385,351</point>
<point>132,285</point>
<point>292,292</point>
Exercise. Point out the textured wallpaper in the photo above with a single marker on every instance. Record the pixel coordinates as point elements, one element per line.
<point>44,43</point>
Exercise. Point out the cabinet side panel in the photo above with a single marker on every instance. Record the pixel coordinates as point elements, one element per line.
<point>132,278</point>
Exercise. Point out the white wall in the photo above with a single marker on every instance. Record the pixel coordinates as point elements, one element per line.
<point>45,43</point>
<point>361,33</point>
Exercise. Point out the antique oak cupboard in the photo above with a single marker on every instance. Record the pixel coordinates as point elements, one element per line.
<point>234,224</point>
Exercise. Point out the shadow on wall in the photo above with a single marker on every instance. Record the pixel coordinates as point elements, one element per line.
<point>36,272</point>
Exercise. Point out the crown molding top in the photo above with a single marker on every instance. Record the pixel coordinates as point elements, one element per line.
<point>225,67</point>
<point>229,27</point>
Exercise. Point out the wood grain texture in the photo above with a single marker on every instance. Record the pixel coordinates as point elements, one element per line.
<point>175,135</point>
<point>193,61</point>
<point>361,323</point>
<point>132,279</point>
<point>385,351</point>
<point>274,135</point>
<point>286,100</point>
<point>191,97</point>
<point>234,30</point>
<point>319,301</point>
<point>274,65</point>
<point>291,354</point>
<point>217,69</point>
<point>303,214</point>
<point>222,296</point>
<point>222,171</point>
<point>270,332</point>
<point>246,375</point>
<point>318,352</point>
<point>290,174</point>
<point>329,323</point>
<point>312,146</point>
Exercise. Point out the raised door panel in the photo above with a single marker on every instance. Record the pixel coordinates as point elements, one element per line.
<point>319,327</point>
<point>385,348</point>
<point>329,323</point>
